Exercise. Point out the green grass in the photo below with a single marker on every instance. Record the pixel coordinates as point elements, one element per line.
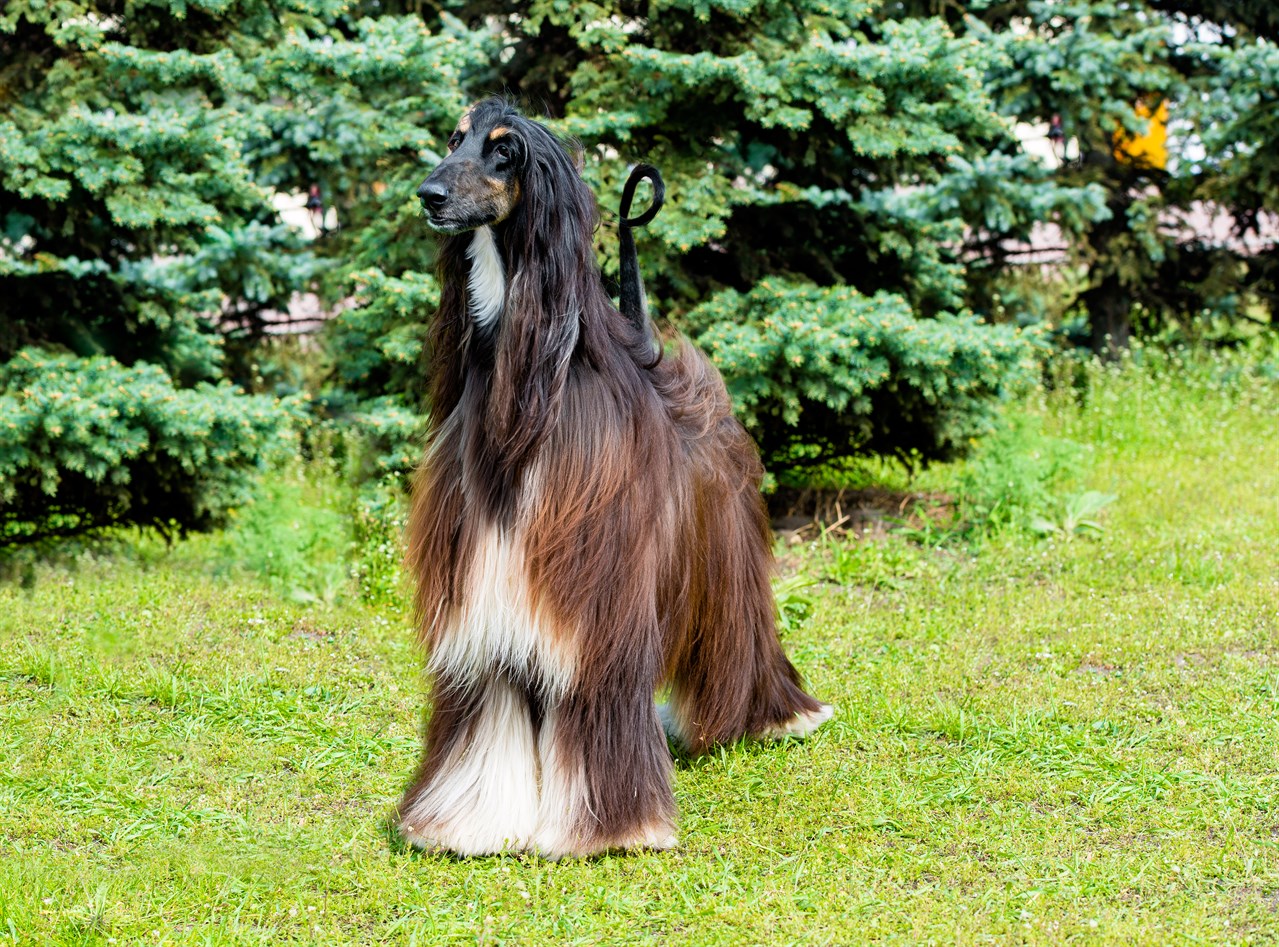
<point>1037,741</point>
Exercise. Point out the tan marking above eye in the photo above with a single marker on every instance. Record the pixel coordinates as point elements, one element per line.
<point>464,123</point>
<point>498,132</point>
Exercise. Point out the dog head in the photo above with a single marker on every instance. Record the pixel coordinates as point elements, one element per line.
<point>497,161</point>
<point>478,183</point>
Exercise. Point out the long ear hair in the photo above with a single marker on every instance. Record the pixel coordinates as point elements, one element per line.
<point>449,331</point>
<point>553,285</point>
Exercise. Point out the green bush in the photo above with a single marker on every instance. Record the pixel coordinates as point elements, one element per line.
<point>316,538</point>
<point>823,374</point>
<point>88,442</point>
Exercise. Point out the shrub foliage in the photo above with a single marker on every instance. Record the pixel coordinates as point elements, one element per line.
<point>822,373</point>
<point>86,443</point>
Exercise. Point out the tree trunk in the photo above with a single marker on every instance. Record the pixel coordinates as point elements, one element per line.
<point>1108,302</point>
<point>1109,316</point>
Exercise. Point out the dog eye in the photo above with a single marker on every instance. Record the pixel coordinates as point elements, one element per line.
<point>455,141</point>
<point>503,151</point>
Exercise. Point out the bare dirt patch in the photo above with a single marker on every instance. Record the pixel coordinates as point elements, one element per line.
<point>868,511</point>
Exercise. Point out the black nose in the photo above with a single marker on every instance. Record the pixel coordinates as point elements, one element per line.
<point>433,195</point>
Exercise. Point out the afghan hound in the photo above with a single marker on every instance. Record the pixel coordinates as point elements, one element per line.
<point>586,527</point>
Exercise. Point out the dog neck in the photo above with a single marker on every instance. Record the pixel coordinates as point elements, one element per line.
<point>487,283</point>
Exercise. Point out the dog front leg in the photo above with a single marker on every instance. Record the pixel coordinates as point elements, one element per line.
<point>476,792</point>
<point>606,773</point>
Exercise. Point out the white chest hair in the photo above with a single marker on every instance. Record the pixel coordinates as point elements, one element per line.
<point>487,283</point>
<point>497,626</point>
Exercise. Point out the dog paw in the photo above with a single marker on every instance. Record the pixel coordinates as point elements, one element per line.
<point>422,841</point>
<point>554,846</point>
<point>436,838</point>
<point>800,725</point>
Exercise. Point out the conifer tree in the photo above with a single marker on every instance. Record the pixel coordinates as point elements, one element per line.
<point>1204,75</point>
<point>791,137</point>
<point>140,146</point>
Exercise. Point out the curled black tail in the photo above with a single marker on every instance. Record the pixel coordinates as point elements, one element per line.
<point>632,302</point>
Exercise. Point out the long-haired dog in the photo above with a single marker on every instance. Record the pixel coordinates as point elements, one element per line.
<point>586,527</point>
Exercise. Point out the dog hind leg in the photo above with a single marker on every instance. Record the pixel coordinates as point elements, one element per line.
<point>732,679</point>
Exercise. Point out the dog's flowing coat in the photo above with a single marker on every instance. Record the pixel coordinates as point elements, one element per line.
<point>586,526</point>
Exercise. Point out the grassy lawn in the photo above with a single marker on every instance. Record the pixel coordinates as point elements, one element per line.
<point>1038,740</point>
